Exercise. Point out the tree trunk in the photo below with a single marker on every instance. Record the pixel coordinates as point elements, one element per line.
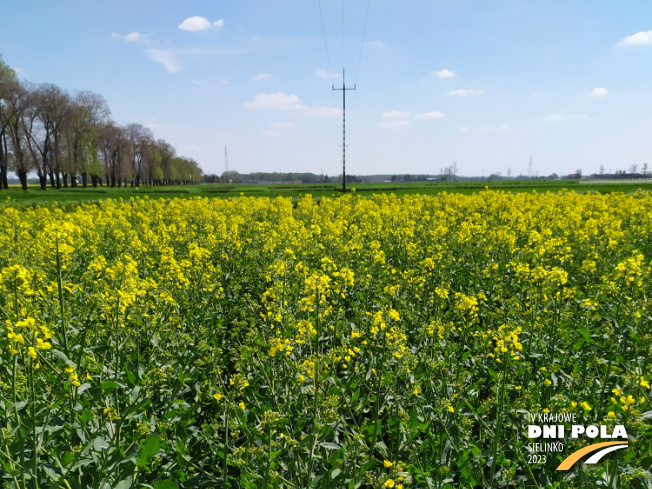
<point>73,180</point>
<point>52,183</point>
<point>43,179</point>
<point>64,177</point>
<point>22,176</point>
<point>3,161</point>
<point>84,176</point>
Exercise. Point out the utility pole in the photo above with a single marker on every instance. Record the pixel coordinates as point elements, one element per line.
<point>226,164</point>
<point>344,89</point>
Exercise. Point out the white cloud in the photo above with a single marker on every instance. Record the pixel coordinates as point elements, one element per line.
<point>196,24</point>
<point>640,38</point>
<point>563,116</point>
<point>20,72</point>
<point>445,74</point>
<point>395,114</point>
<point>277,127</point>
<point>394,124</point>
<point>275,101</point>
<point>261,77</point>
<point>375,44</point>
<point>284,101</point>
<point>167,58</point>
<point>502,127</point>
<point>282,125</point>
<point>599,92</point>
<point>323,111</point>
<point>175,60</point>
<point>431,115</point>
<point>134,36</point>
<point>464,92</point>
<point>327,74</point>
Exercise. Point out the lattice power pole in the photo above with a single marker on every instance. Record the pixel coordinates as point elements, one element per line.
<point>344,89</point>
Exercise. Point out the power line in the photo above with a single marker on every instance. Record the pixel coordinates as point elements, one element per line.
<point>364,32</point>
<point>323,30</point>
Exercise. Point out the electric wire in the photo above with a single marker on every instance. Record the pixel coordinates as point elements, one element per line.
<point>364,32</point>
<point>323,30</point>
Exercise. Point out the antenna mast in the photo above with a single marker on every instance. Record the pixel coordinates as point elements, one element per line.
<point>344,89</point>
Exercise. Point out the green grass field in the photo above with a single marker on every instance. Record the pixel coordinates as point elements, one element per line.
<point>34,195</point>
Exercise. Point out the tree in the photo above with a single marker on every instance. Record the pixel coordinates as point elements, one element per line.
<point>18,102</point>
<point>114,151</point>
<point>139,138</point>
<point>89,112</point>
<point>8,79</point>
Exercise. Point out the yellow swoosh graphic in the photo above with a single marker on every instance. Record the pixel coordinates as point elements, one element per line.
<point>575,456</point>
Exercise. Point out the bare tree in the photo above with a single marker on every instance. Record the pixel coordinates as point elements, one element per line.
<point>7,81</point>
<point>114,151</point>
<point>18,102</point>
<point>139,138</point>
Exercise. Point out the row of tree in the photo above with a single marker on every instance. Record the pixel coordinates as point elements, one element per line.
<point>70,139</point>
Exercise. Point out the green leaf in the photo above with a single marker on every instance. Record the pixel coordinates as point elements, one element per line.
<point>166,484</point>
<point>331,446</point>
<point>86,416</point>
<point>124,483</point>
<point>148,450</point>
<point>109,385</point>
<point>100,444</point>
<point>335,473</point>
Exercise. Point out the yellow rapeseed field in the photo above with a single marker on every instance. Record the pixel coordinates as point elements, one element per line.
<point>343,343</point>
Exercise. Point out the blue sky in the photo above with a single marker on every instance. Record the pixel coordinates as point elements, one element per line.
<point>483,84</point>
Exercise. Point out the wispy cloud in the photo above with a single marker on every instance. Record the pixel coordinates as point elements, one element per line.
<point>640,38</point>
<point>327,74</point>
<point>445,74</point>
<point>460,92</point>
<point>261,77</point>
<point>395,114</point>
<point>394,119</point>
<point>175,60</point>
<point>394,124</point>
<point>563,116</point>
<point>431,115</point>
<point>375,44</point>
<point>133,37</point>
<point>277,128</point>
<point>20,72</point>
<point>196,24</point>
<point>501,127</point>
<point>288,102</point>
<point>599,92</point>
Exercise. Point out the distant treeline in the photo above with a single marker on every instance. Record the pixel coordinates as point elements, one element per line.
<point>71,139</point>
<point>276,177</point>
